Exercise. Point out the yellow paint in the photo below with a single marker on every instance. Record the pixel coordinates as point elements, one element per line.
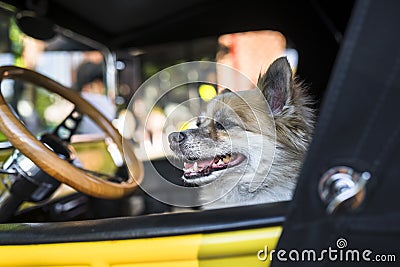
<point>237,248</point>
<point>165,251</point>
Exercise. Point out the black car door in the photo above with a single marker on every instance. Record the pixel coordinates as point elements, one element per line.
<point>345,209</point>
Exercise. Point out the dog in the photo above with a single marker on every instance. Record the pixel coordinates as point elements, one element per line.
<point>249,145</point>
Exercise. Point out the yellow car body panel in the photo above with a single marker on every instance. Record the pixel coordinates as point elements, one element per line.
<point>235,248</point>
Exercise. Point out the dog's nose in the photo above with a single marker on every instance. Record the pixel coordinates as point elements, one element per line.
<point>176,137</point>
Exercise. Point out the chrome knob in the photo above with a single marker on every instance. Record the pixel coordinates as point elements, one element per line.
<point>342,186</point>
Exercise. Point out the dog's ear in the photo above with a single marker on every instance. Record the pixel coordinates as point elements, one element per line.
<point>276,84</point>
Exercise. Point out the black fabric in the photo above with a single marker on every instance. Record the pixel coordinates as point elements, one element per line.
<point>228,219</point>
<point>359,127</point>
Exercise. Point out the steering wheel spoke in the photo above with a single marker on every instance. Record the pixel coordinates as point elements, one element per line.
<point>68,126</point>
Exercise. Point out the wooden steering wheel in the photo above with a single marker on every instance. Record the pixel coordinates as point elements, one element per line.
<point>47,160</point>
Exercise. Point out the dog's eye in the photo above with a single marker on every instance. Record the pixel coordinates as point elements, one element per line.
<point>219,126</point>
<point>199,121</point>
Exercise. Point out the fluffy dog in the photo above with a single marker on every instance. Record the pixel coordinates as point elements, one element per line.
<point>249,145</point>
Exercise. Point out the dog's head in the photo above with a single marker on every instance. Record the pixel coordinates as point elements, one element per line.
<point>229,135</point>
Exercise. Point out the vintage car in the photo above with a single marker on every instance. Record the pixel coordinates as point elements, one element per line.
<point>81,188</point>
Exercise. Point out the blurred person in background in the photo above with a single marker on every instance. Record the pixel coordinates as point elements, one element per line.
<point>90,83</point>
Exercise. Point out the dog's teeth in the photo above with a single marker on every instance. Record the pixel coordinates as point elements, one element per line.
<point>227,159</point>
<point>195,167</point>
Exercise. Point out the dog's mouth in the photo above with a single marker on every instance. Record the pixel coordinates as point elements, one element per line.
<point>205,167</point>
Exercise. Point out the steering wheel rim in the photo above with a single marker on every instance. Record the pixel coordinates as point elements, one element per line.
<point>47,160</point>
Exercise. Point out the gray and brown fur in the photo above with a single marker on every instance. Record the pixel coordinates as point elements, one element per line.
<point>242,122</point>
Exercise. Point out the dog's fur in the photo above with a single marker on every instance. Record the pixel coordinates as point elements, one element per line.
<point>266,146</point>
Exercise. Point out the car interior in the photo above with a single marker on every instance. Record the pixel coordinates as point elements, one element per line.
<point>140,48</point>
<point>73,73</point>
